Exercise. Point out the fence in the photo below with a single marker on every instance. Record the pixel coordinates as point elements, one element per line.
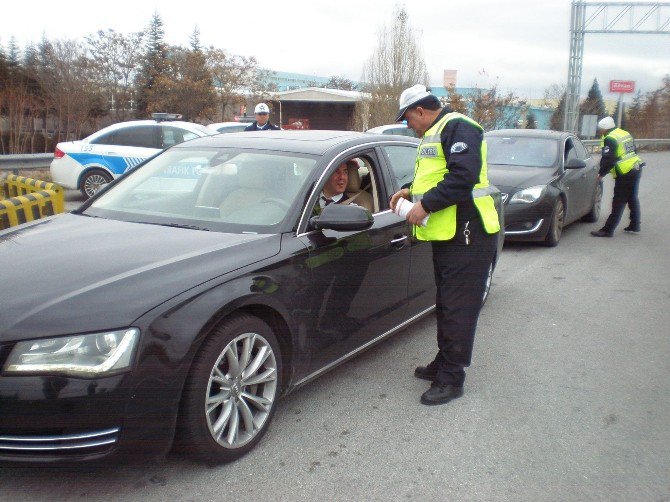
<point>28,200</point>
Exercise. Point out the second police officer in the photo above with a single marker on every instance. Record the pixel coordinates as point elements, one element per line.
<point>262,122</point>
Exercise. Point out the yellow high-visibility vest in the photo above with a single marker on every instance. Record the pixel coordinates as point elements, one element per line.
<point>431,167</point>
<point>627,159</point>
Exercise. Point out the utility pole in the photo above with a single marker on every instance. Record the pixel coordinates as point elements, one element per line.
<point>606,17</point>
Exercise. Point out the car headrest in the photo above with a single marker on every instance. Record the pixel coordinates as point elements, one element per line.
<point>252,176</point>
<point>354,183</point>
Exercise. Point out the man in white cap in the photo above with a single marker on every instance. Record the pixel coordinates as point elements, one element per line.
<point>451,186</point>
<point>262,122</point>
<point>620,158</point>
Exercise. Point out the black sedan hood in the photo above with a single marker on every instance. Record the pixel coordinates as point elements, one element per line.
<point>511,178</point>
<point>71,273</point>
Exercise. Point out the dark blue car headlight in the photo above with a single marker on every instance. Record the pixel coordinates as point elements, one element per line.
<point>86,356</point>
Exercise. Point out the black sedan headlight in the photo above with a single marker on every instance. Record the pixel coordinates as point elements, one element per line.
<point>528,195</point>
<point>84,356</point>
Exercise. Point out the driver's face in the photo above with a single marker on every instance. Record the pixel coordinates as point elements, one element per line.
<point>337,183</point>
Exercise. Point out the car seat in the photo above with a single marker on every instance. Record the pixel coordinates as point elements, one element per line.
<point>357,195</point>
<point>253,187</point>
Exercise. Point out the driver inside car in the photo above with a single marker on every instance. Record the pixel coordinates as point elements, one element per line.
<point>334,191</point>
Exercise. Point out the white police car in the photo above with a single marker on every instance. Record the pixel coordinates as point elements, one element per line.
<point>96,160</point>
<point>399,129</point>
<point>225,127</point>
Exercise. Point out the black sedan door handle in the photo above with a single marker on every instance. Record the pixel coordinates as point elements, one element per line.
<point>399,242</point>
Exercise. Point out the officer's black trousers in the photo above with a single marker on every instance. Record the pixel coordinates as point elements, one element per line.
<point>460,276</point>
<point>625,192</point>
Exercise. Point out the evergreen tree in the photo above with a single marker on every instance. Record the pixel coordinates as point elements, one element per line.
<point>531,121</point>
<point>194,40</point>
<point>594,104</point>
<point>556,121</point>
<point>154,64</point>
<point>14,57</point>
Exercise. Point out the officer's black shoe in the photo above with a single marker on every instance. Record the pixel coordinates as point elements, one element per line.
<point>426,372</point>
<point>601,233</point>
<point>441,394</point>
<point>631,228</point>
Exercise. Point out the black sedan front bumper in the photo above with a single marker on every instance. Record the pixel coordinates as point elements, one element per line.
<point>48,419</point>
<point>528,221</point>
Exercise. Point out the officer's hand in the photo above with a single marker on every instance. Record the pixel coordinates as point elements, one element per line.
<point>600,178</point>
<point>404,193</point>
<point>416,214</point>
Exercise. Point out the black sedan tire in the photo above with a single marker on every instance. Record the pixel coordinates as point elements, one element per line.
<point>230,394</point>
<point>92,181</point>
<point>594,214</point>
<point>556,226</point>
<point>489,280</point>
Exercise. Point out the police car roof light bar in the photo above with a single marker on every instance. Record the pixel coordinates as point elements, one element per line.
<point>159,117</point>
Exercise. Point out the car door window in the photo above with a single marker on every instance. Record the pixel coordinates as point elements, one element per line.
<point>140,136</point>
<point>570,152</point>
<point>174,135</point>
<point>106,139</point>
<point>402,160</point>
<point>580,150</point>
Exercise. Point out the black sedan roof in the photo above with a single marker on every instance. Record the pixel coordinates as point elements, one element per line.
<point>531,133</point>
<point>313,142</point>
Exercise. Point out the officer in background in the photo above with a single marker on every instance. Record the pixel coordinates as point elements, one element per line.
<point>451,186</point>
<point>262,122</point>
<point>620,158</point>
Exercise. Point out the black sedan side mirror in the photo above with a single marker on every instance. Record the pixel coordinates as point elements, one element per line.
<point>575,164</point>
<point>342,218</point>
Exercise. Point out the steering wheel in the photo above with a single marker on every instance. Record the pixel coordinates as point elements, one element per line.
<point>276,201</point>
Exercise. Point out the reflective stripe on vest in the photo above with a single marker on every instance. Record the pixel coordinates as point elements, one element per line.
<point>627,159</point>
<point>431,167</point>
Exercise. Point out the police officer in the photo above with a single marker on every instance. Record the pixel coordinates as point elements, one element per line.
<point>620,158</point>
<point>450,185</point>
<point>262,122</point>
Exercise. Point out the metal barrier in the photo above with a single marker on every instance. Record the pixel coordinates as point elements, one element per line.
<point>27,161</point>
<point>593,145</point>
<point>29,200</point>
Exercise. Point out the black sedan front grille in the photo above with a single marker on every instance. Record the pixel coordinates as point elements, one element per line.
<point>81,443</point>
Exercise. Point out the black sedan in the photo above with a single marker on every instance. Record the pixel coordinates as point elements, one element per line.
<point>180,302</point>
<point>548,180</point>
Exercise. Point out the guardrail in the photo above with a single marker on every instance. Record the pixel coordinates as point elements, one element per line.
<point>593,145</point>
<point>28,200</point>
<point>28,161</point>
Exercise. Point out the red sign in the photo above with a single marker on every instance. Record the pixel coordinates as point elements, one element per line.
<point>622,86</point>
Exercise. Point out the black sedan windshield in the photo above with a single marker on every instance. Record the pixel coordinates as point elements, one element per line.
<point>521,151</point>
<point>221,189</point>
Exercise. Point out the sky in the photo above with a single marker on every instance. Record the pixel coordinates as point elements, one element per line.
<point>522,45</point>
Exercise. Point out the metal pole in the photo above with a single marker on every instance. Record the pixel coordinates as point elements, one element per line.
<point>618,120</point>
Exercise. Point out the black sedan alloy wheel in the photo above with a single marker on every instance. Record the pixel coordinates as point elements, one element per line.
<point>231,392</point>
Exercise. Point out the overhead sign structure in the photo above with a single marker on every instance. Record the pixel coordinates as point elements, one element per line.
<point>621,86</point>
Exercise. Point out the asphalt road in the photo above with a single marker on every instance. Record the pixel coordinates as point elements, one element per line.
<point>567,397</point>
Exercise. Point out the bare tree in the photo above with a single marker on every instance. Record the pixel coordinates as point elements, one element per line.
<point>396,63</point>
<point>234,77</point>
<point>115,58</point>
<point>493,109</point>
<point>186,86</point>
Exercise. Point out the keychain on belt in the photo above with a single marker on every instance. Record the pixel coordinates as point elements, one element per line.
<point>466,233</point>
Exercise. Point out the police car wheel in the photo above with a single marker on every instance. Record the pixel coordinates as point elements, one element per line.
<point>231,392</point>
<point>92,181</point>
